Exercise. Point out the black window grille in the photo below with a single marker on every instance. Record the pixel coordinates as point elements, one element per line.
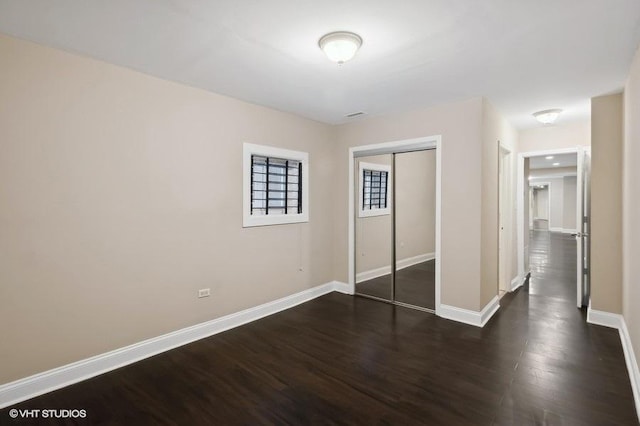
<point>374,189</point>
<point>276,186</point>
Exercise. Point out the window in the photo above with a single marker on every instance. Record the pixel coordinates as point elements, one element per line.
<point>374,189</point>
<point>276,183</point>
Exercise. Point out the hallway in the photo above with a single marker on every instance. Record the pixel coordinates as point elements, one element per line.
<point>552,257</point>
<point>570,372</point>
<point>347,360</point>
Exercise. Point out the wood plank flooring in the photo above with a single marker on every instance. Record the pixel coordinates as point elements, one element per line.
<point>346,360</point>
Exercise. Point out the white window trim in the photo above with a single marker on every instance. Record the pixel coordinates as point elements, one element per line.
<point>374,212</point>
<point>248,220</point>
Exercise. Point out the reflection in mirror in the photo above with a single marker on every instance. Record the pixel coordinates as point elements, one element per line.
<point>373,226</point>
<point>415,227</point>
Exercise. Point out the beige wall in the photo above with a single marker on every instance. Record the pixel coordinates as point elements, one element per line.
<point>606,202</point>
<point>496,131</point>
<point>121,197</point>
<point>569,203</point>
<point>415,204</point>
<point>567,135</point>
<point>460,125</point>
<point>554,203</point>
<point>541,203</point>
<point>631,203</point>
<point>373,234</point>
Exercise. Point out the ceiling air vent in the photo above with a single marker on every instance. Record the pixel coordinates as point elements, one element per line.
<point>354,114</point>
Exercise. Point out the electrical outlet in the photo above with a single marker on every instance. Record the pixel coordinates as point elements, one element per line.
<point>204,292</point>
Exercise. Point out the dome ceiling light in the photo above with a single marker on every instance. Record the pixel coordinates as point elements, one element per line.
<point>548,116</point>
<point>340,46</point>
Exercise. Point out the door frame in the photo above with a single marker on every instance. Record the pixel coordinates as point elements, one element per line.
<point>520,205</point>
<point>406,145</point>
<point>505,221</point>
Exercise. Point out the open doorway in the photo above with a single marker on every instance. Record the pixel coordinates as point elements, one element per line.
<point>551,212</point>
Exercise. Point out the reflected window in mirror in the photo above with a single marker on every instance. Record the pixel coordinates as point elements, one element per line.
<point>374,189</point>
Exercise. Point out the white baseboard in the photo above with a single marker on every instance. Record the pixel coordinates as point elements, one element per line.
<point>410,261</point>
<point>478,319</point>
<point>400,264</point>
<point>38,384</point>
<point>341,287</point>
<point>632,365</point>
<point>603,318</point>
<point>373,273</point>
<point>516,283</point>
<point>617,321</point>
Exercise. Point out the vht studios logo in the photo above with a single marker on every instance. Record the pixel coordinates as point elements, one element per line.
<point>47,414</point>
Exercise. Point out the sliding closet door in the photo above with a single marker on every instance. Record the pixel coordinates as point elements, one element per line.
<point>415,228</point>
<point>373,242</point>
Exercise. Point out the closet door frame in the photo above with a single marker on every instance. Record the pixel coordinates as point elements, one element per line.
<point>395,147</point>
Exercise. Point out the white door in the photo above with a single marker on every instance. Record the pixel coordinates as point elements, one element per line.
<point>583,222</point>
<point>504,284</point>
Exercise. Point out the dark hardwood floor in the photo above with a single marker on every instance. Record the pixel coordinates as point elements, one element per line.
<point>346,360</point>
<point>415,285</point>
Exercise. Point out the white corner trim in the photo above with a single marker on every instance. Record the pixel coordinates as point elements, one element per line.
<point>516,283</point>
<point>341,287</point>
<point>47,381</point>
<point>478,319</point>
<point>632,364</point>
<point>401,264</point>
<point>607,319</point>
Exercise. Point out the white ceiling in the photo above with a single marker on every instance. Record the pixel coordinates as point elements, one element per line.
<point>522,55</point>
<point>564,160</point>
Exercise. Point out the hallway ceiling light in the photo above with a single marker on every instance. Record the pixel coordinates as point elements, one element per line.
<point>340,46</point>
<point>549,157</point>
<point>556,164</point>
<point>548,116</point>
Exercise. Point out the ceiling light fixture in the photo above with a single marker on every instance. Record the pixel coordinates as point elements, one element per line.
<point>340,46</point>
<point>549,157</point>
<point>548,116</point>
<point>556,164</point>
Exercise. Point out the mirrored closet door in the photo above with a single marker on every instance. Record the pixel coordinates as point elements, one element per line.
<point>373,226</point>
<point>395,209</point>
<point>415,227</point>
